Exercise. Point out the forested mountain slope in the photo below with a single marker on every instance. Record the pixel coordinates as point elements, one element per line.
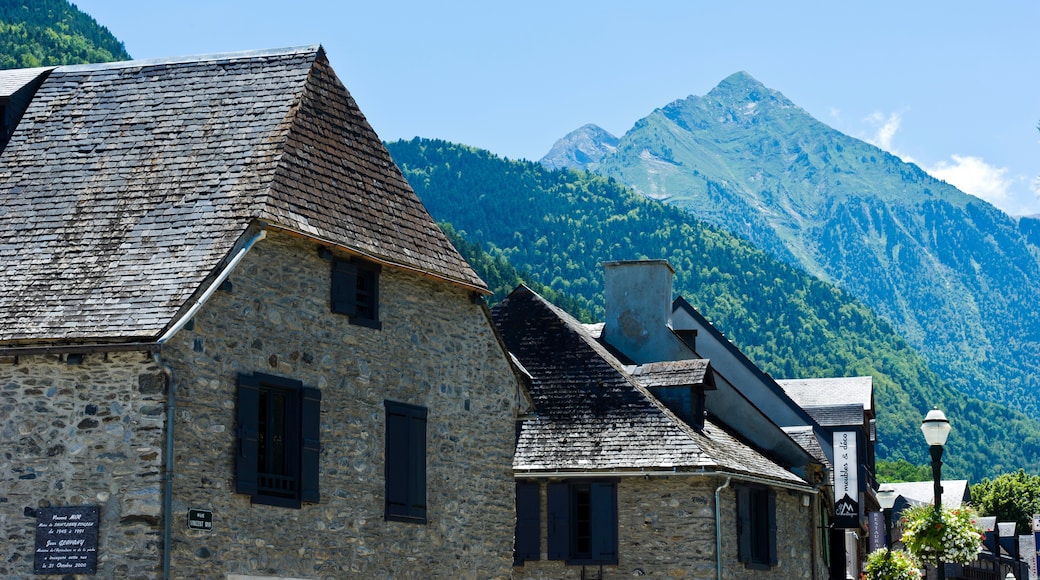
<point>957,277</point>
<point>559,226</point>
<point>52,32</point>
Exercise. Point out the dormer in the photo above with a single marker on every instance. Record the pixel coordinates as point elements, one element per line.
<point>17,88</point>
<point>681,386</point>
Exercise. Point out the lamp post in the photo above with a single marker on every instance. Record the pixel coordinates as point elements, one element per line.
<point>936,429</point>
<point>886,497</point>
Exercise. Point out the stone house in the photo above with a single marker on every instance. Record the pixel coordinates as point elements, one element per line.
<point>233,344</point>
<point>622,469</point>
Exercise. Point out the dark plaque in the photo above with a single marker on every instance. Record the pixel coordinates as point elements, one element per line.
<point>200,519</point>
<point>66,540</point>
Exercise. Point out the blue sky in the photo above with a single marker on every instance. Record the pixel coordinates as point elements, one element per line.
<point>952,86</point>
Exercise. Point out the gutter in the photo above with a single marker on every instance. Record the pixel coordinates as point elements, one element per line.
<point>718,530</point>
<point>171,396</point>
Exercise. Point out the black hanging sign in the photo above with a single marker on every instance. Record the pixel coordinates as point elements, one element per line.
<point>66,540</point>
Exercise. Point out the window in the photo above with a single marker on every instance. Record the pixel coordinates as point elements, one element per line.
<point>405,462</point>
<point>756,526</point>
<point>582,518</point>
<point>279,424</point>
<point>527,540</point>
<point>355,291</point>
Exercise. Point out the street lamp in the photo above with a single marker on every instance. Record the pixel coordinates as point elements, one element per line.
<point>936,429</point>
<point>886,497</point>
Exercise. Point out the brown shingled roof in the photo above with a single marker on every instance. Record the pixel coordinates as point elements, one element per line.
<point>126,185</point>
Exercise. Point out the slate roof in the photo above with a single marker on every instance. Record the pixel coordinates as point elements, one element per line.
<point>806,437</point>
<point>831,391</point>
<point>592,416</point>
<point>12,80</point>
<point>837,415</point>
<point>954,492</point>
<point>126,186</point>
<point>677,373</point>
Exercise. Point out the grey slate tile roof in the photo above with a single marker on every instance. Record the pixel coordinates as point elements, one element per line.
<point>831,391</point>
<point>837,415</point>
<point>127,185</point>
<point>672,373</point>
<point>592,416</point>
<point>12,80</point>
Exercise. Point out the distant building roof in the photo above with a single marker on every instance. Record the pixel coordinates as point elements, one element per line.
<point>837,415</point>
<point>831,391</point>
<point>954,492</point>
<point>593,416</point>
<point>127,185</point>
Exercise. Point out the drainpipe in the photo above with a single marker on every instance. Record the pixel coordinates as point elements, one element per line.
<point>171,398</point>
<point>718,530</point>
<point>171,394</point>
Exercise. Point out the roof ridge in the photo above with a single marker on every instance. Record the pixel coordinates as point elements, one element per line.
<point>188,59</point>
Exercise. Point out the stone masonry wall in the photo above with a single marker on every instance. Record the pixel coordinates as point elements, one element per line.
<point>436,349</point>
<point>666,529</point>
<point>83,434</point>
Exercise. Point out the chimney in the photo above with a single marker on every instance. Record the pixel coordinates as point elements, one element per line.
<point>638,300</point>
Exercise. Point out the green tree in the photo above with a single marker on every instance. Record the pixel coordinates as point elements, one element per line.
<point>1011,497</point>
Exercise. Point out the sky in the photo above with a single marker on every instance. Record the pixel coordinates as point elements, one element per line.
<point>952,86</point>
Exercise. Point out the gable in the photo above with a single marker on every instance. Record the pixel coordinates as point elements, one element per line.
<point>127,186</point>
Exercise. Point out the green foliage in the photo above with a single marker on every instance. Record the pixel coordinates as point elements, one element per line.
<point>949,535</point>
<point>1011,497</point>
<point>502,278</point>
<point>558,227</point>
<point>895,565</point>
<point>52,32</point>
<point>901,470</point>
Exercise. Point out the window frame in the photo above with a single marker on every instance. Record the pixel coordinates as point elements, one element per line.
<point>404,474</point>
<point>301,419</point>
<point>354,291</point>
<point>600,527</point>
<point>756,526</point>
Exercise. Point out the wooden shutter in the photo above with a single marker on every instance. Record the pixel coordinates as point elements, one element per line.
<point>310,444</point>
<point>417,464</point>
<point>558,502</point>
<point>771,515</point>
<point>248,417</point>
<point>344,287</point>
<point>405,470</point>
<point>604,522</point>
<point>528,543</point>
<point>744,530</point>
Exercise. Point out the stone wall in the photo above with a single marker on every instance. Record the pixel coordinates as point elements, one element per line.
<point>666,529</point>
<point>90,433</point>
<point>436,349</point>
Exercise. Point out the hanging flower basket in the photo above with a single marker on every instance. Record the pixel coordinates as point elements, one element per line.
<point>884,564</point>
<point>951,536</point>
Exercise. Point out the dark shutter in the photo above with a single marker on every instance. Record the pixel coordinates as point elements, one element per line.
<point>417,464</point>
<point>528,523</point>
<point>604,522</point>
<point>405,460</point>
<point>310,444</point>
<point>771,515</point>
<point>248,417</point>
<point>344,287</point>
<point>744,531</point>
<point>558,518</point>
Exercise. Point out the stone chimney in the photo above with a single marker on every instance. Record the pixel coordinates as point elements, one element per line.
<point>638,300</point>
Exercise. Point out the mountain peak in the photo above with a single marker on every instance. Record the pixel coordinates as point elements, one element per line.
<point>582,148</point>
<point>741,87</point>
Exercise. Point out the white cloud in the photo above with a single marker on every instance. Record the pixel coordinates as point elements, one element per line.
<point>975,176</point>
<point>886,129</point>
